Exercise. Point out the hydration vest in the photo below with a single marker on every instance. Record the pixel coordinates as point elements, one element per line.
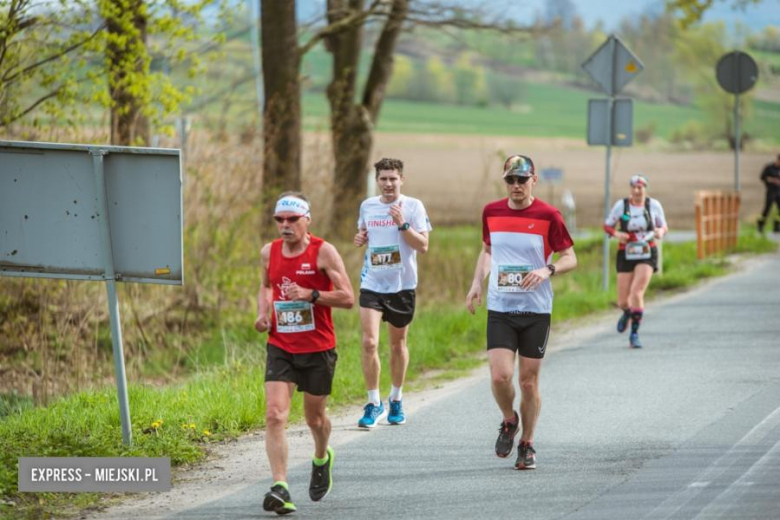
<point>627,215</point>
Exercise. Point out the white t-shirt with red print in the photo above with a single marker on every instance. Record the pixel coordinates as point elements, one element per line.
<point>390,264</point>
<point>521,240</point>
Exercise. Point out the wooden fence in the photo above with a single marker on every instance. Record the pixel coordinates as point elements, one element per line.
<point>717,222</point>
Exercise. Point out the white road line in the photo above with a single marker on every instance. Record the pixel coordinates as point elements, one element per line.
<point>671,505</point>
<point>730,497</point>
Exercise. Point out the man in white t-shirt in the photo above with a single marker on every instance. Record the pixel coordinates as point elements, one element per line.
<point>394,228</point>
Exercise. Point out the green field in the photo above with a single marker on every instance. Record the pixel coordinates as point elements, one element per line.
<point>542,110</point>
<point>546,111</point>
<point>766,58</point>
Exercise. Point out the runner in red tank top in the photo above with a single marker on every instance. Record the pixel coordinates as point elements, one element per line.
<point>303,277</point>
<point>299,327</point>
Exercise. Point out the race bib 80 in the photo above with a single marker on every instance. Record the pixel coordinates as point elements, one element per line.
<point>510,277</point>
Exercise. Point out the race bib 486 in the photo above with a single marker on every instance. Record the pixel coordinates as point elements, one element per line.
<point>294,316</point>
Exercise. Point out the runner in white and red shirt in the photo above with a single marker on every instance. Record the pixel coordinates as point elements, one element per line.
<point>520,235</point>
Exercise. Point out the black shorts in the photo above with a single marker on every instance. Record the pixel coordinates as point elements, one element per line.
<point>525,334</point>
<point>397,308</point>
<point>312,373</point>
<point>627,266</point>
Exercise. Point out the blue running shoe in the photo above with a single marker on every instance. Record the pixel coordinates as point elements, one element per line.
<point>633,339</point>
<point>623,321</point>
<point>372,415</point>
<point>396,415</point>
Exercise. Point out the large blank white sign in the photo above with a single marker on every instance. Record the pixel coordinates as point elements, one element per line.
<point>50,216</point>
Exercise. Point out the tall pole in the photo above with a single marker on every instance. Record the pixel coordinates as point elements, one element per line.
<point>605,271</point>
<point>113,302</point>
<point>610,103</point>
<point>736,142</point>
<point>256,60</point>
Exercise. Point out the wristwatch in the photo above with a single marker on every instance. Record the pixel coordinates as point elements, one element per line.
<point>404,226</point>
<point>551,267</point>
<point>314,295</point>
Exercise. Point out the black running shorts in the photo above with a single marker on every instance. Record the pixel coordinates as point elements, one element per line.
<point>525,333</point>
<point>312,373</point>
<point>627,266</point>
<point>397,308</point>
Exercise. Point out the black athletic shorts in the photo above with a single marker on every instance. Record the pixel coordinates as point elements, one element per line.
<point>525,333</point>
<point>397,308</point>
<point>627,266</point>
<point>312,373</point>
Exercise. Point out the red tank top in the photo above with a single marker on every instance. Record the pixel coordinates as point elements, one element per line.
<point>299,327</point>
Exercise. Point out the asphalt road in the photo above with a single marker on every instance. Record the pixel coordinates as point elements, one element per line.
<point>686,428</point>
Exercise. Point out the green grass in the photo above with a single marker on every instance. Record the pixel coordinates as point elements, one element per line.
<point>225,396</point>
<point>771,59</point>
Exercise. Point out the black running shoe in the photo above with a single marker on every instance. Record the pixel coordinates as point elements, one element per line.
<point>278,500</point>
<point>321,478</point>
<point>526,456</point>
<point>506,437</point>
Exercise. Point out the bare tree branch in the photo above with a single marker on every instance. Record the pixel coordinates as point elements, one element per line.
<point>382,64</point>
<point>40,100</point>
<point>217,95</point>
<point>34,105</point>
<point>5,79</point>
<point>356,18</point>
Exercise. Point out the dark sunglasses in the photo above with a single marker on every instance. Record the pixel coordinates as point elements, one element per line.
<point>291,220</point>
<point>516,179</point>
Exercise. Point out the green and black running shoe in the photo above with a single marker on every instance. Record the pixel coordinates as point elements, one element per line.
<point>321,478</point>
<point>278,500</point>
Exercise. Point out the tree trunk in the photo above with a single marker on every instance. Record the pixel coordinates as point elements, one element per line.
<point>127,57</point>
<point>352,124</point>
<point>282,104</point>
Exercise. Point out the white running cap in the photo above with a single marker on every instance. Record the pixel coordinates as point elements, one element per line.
<point>293,205</point>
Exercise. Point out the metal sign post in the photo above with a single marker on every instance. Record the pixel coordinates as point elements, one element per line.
<point>113,302</point>
<point>607,198</point>
<point>736,72</point>
<point>612,66</point>
<point>737,142</point>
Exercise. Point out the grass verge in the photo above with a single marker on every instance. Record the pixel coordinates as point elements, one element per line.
<point>225,397</point>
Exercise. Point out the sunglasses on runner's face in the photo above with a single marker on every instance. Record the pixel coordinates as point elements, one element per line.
<point>515,179</point>
<point>291,220</point>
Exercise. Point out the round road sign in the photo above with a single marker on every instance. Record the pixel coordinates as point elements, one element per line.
<point>737,72</point>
